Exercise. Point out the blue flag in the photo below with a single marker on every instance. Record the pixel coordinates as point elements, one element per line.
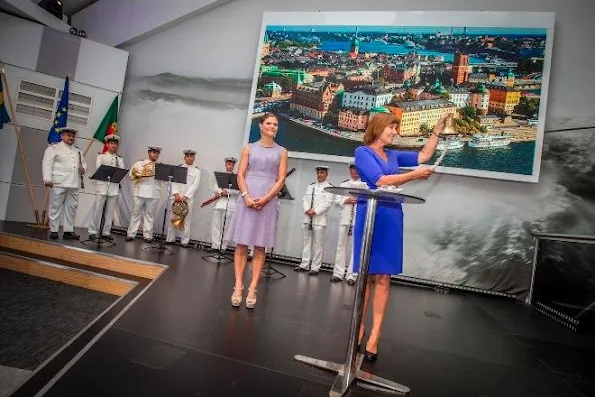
<point>3,113</point>
<point>61,116</point>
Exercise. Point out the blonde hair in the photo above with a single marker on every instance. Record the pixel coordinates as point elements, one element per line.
<point>377,124</point>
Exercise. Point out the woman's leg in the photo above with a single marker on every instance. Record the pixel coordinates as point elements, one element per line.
<point>362,327</point>
<point>381,290</point>
<point>257,264</point>
<point>240,257</point>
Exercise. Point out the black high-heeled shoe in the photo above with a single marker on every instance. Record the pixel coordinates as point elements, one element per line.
<point>368,356</point>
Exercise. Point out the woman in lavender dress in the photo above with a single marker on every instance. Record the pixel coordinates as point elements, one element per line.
<point>261,175</point>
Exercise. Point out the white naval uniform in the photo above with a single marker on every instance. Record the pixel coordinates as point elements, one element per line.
<point>219,214</point>
<point>102,190</point>
<point>187,190</point>
<point>345,242</point>
<point>60,166</point>
<point>314,239</point>
<point>146,192</point>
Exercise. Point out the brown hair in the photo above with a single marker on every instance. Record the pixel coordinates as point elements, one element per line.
<point>377,124</point>
<point>266,116</point>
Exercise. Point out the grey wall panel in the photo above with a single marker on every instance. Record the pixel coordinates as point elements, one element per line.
<point>19,207</point>
<point>58,54</point>
<point>34,143</point>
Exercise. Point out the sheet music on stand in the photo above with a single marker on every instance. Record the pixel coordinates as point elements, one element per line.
<point>164,171</point>
<point>227,180</point>
<point>106,173</point>
<point>284,194</point>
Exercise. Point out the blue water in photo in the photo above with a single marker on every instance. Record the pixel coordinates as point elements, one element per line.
<point>390,49</point>
<point>517,158</point>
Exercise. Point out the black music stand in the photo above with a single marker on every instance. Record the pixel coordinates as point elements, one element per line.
<point>351,370</point>
<point>109,174</point>
<point>168,173</point>
<point>268,269</point>
<point>228,181</point>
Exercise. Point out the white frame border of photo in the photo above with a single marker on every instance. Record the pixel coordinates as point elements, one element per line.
<point>470,19</point>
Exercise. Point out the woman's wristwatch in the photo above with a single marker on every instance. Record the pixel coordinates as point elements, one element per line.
<point>244,194</point>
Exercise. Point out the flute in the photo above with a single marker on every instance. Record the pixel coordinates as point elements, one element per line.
<point>82,176</point>
<point>350,232</point>
<point>311,207</point>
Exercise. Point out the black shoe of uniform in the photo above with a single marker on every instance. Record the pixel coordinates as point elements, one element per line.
<point>128,238</point>
<point>108,237</point>
<point>299,269</point>
<point>54,235</point>
<point>92,237</point>
<point>350,281</point>
<point>148,240</point>
<point>70,236</point>
<point>184,245</point>
<point>313,273</point>
<point>335,279</point>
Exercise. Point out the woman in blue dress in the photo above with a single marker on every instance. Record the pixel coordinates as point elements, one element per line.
<point>378,167</point>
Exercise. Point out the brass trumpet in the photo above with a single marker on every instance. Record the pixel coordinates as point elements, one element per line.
<point>147,171</point>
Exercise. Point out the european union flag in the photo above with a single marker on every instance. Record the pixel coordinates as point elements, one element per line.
<point>61,116</point>
<point>3,113</point>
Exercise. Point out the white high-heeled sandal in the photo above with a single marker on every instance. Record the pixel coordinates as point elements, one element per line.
<point>236,298</point>
<point>251,302</point>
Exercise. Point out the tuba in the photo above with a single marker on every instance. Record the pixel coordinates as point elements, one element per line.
<point>179,210</point>
<point>146,171</point>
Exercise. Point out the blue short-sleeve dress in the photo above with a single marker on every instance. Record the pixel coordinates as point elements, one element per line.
<point>386,256</point>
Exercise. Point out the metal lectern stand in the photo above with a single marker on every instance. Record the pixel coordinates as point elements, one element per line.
<point>268,269</point>
<point>351,369</point>
<point>171,174</point>
<point>109,174</point>
<point>227,181</point>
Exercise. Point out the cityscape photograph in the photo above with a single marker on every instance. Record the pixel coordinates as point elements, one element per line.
<point>326,82</point>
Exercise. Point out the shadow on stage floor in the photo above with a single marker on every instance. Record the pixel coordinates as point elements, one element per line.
<point>182,338</point>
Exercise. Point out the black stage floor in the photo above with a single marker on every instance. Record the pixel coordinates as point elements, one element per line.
<point>182,338</point>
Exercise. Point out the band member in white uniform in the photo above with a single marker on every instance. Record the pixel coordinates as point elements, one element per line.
<point>346,221</point>
<point>316,203</point>
<point>147,192</point>
<point>103,189</point>
<point>219,209</point>
<point>63,167</point>
<point>185,193</point>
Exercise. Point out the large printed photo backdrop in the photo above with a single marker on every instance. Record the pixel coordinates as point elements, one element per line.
<point>489,70</point>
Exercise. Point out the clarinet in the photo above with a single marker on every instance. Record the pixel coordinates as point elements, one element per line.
<point>350,232</point>
<point>82,176</point>
<point>311,207</point>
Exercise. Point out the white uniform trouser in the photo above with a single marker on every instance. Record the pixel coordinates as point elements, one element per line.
<point>63,200</point>
<point>313,245</point>
<point>172,231</point>
<point>144,207</point>
<point>100,200</point>
<point>217,226</point>
<point>344,250</point>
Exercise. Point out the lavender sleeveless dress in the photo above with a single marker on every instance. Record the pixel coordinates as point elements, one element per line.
<point>249,226</point>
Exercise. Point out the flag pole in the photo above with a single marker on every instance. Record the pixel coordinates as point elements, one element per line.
<point>19,143</point>
<point>88,147</point>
